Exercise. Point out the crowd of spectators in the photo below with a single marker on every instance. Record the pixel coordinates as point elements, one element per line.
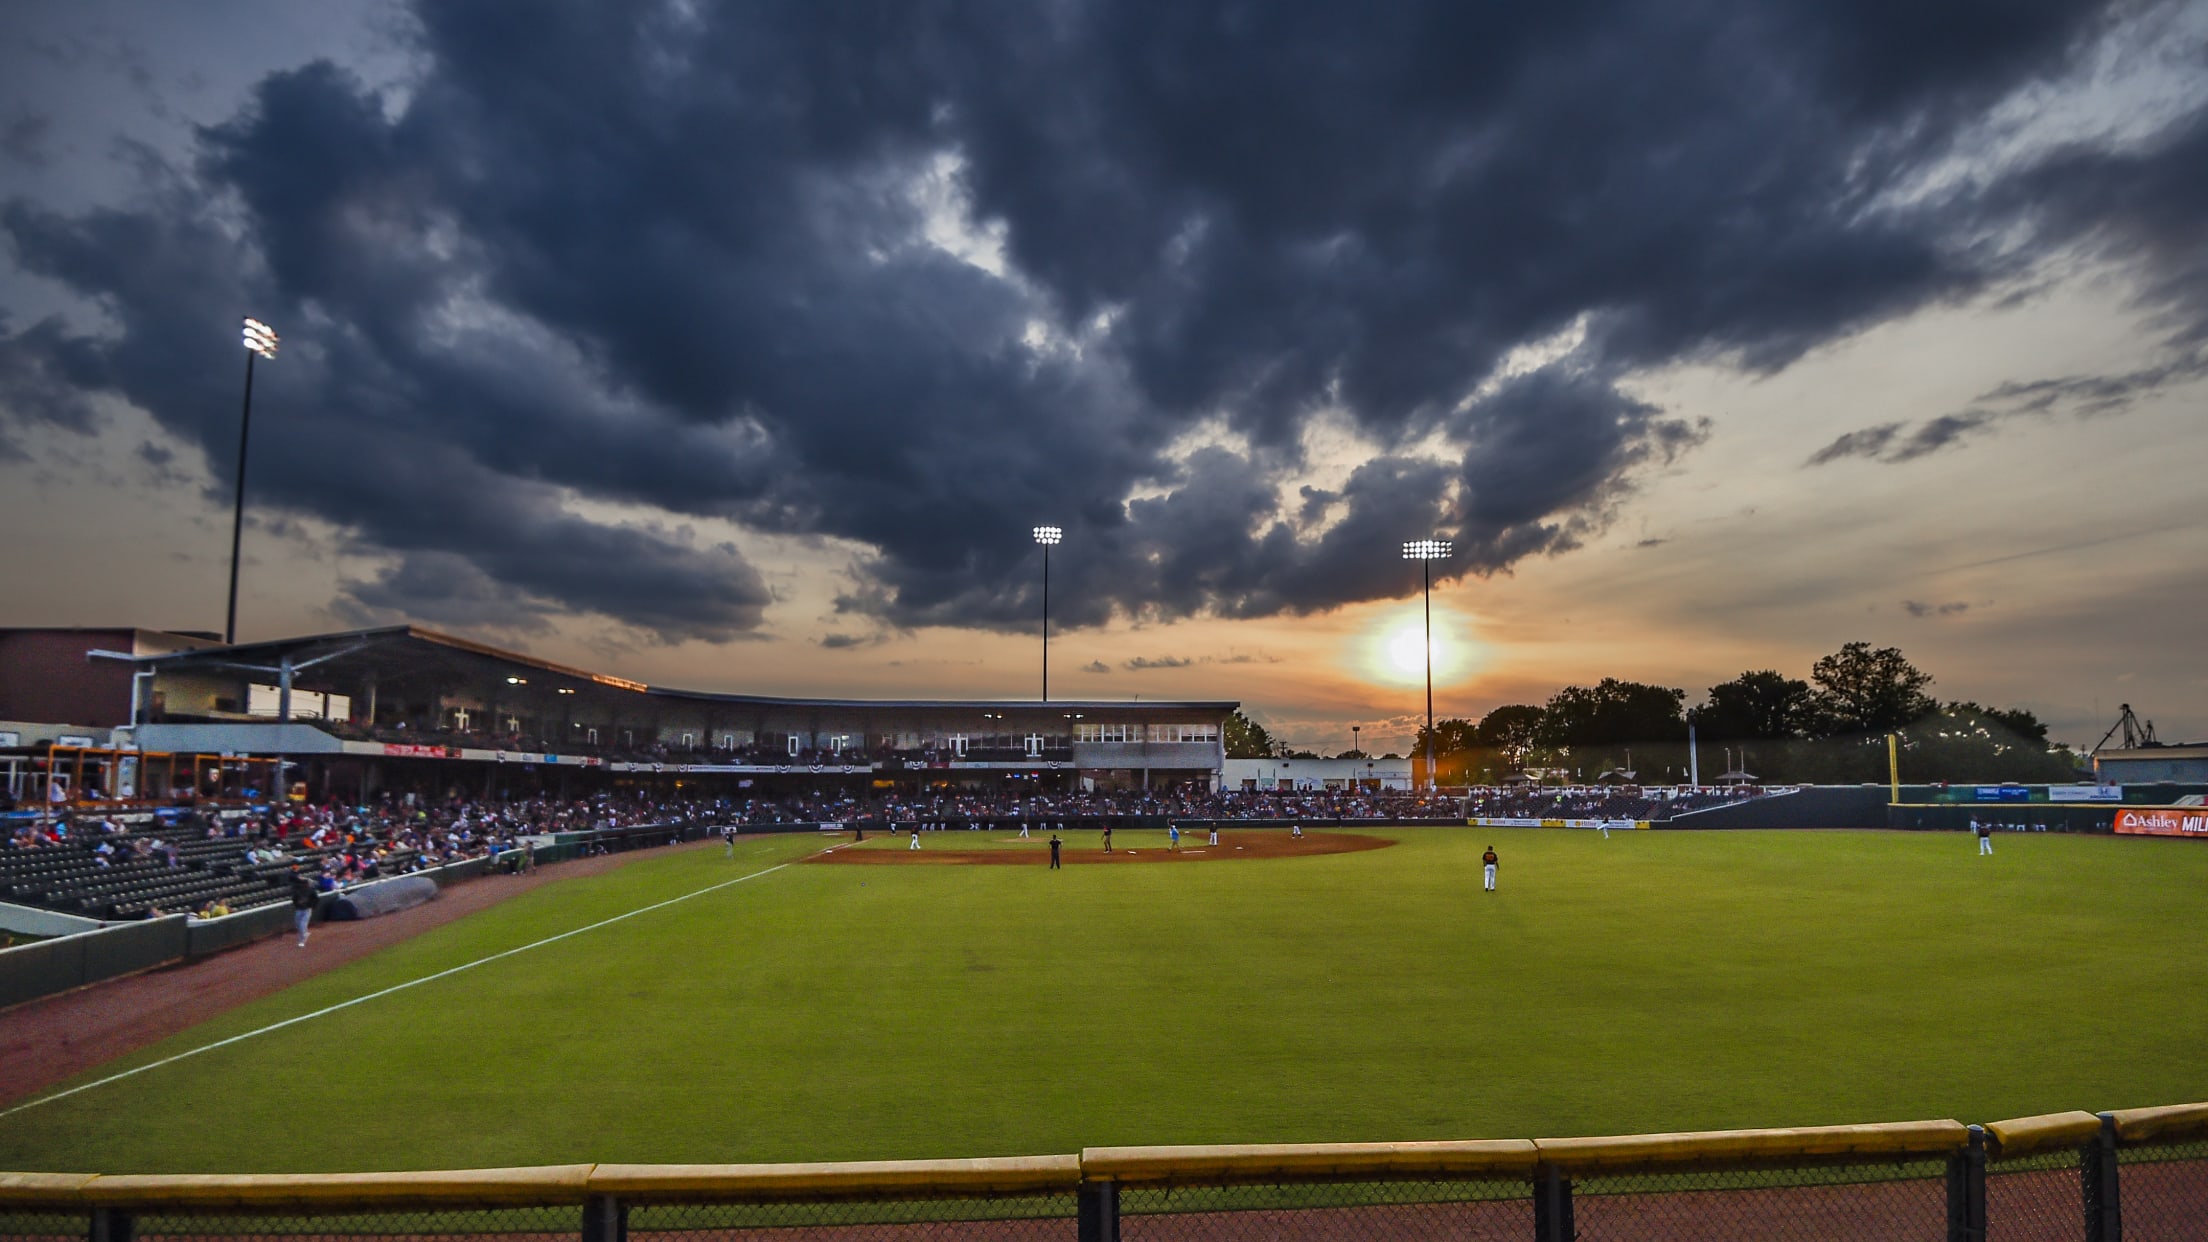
<point>1599,802</point>
<point>334,845</point>
<point>1328,805</point>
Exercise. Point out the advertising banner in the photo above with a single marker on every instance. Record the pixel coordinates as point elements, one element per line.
<point>2176,821</point>
<point>2085,793</point>
<point>2003,793</point>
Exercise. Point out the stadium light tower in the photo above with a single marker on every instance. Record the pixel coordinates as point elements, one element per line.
<point>260,342</point>
<point>1048,536</point>
<point>1426,552</point>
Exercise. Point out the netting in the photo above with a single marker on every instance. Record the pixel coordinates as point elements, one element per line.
<point>2164,1190</point>
<point>1008,1218</point>
<point>1310,1212</point>
<point>2036,1198</point>
<point>1868,1202</point>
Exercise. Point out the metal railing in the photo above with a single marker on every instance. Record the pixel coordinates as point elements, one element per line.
<point>2064,1176</point>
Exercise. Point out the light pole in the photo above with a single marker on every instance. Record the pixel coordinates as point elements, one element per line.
<point>1426,552</point>
<point>1357,740</point>
<point>1047,536</point>
<point>260,342</point>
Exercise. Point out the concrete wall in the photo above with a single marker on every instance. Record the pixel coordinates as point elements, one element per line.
<point>32,922</point>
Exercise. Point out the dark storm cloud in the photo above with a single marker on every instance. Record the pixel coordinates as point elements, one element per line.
<point>676,258</point>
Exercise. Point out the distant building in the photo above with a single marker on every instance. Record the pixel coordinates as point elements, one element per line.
<point>2183,764</point>
<point>50,676</point>
<point>1272,774</point>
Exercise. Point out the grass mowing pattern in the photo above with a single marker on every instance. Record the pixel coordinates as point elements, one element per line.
<point>1653,981</point>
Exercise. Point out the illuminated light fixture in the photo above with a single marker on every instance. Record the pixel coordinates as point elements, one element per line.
<point>1426,552</point>
<point>1048,535</point>
<point>517,681</point>
<point>260,338</point>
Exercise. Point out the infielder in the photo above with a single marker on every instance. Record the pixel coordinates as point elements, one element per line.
<point>915,840</point>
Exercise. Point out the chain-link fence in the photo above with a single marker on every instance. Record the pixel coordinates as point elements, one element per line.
<point>522,1224</point>
<point>1472,1210</point>
<point>1010,1218</point>
<point>1886,1199</point>
<point>2038,1197</point>
<point>2164,1188</point>
<point>42,1226</point>
<point>2140,1174</point>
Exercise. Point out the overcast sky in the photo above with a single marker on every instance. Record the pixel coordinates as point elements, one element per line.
<point>740,346</point>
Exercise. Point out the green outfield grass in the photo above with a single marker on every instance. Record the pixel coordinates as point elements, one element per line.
<point>1652,981</point>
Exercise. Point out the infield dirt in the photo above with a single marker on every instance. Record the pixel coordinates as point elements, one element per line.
<point>1011,851</point>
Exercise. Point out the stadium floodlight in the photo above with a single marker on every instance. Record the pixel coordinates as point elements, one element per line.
<point>1049,537</point>
<point>260,338</point>
<point>1426,552</point>
<point>260,342</point>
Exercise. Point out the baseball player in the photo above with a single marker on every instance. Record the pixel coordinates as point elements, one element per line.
<point>1985,837</point>
<point>1487,863</point>
<point>915,840</point>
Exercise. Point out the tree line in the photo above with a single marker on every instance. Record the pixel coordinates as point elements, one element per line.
<point>1828,729</point>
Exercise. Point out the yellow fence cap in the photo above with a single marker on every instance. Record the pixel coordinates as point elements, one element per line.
<point>453,1188</point>
<point>1893,1140</point>
<point>2048,1132</point>
<point>848,1180</point>
<point>1295,1161</point>
<point>34,1189</point>
<point>2171,1121</point>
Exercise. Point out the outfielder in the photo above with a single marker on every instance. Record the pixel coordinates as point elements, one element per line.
<point>1487,862</point>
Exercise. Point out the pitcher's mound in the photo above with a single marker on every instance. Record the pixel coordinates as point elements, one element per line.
<point>1087,847</point>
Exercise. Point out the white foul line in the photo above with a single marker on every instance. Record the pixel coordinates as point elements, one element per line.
<point>399,987</point>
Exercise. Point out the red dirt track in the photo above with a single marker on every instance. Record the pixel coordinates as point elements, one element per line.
<point>938,849</point>
<point>46,1041</point>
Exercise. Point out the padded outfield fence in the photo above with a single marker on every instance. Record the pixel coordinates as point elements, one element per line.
<point>2141,1174</point>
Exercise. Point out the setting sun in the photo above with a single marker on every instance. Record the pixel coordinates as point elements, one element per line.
<point>1395,649</point>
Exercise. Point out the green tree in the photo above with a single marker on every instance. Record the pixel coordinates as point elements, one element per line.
<point>1247,739</point>
<point>1759,705</point>
<point>1860,690</point>
<point>1614,712</point>
<point>1512,730</point>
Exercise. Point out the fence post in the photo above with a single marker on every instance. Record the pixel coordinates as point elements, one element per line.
<point>605,1219</point>
<point>2104,1212</point>
<point>1096,1212</point>
<point>1552,1207</point>
<point>112,1225</point>
<point>1966,1190</point>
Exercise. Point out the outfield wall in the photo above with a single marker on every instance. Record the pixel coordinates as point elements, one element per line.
<point>2071,1175</point>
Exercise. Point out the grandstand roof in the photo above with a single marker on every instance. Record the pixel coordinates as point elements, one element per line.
<point>407,648</point>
